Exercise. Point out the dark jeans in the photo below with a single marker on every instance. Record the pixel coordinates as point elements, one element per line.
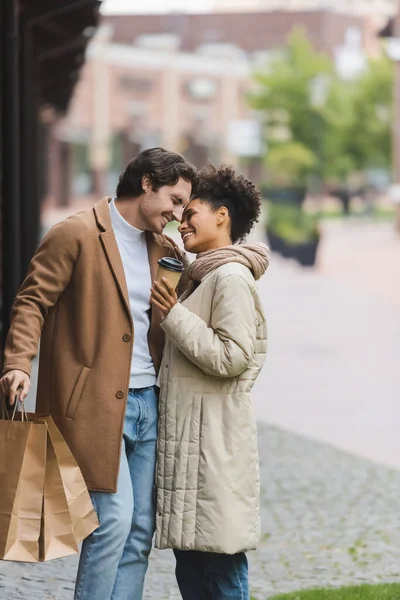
<point>211,576</point>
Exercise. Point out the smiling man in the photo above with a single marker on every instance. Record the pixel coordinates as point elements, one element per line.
<point>87,295</point>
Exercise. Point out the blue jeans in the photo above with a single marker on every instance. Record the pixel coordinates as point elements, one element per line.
<point>114,558</point>
<point>211,576</point>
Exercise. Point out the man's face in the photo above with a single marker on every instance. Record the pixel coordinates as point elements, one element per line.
<point>165,205</point>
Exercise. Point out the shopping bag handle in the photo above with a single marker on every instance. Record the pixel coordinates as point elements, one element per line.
<point>5,412</point>
<point>24,416</point>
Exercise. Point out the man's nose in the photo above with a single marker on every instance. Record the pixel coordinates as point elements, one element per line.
<point>178,212</point>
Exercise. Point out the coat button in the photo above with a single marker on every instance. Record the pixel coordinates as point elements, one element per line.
<point>120,394</point>
<point>126,337</point>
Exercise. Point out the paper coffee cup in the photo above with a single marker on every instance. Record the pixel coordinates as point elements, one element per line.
<point>171,269</point>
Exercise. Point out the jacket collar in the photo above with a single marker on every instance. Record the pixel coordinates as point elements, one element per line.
<point>102,213</point>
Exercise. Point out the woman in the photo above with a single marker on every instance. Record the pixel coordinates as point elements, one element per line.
<point>207,473</point>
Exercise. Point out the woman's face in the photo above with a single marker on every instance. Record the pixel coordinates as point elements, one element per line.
<point>203,228</point>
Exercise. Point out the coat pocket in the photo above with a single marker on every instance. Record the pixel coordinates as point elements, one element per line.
<point>77,393</point>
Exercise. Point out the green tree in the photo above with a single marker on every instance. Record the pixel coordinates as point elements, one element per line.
<point>285,96</point>
<point>341,153</point>
<point>342,126</point>
<point>358,114</point>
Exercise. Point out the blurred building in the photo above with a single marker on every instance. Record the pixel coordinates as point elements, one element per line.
<point>148,94</point>
<point>378,8</point>
<point>253,32</point>
<point>42,50</point>
<point>180,81</point>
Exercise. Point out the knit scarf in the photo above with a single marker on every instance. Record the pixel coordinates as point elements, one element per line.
<point>253,256</point>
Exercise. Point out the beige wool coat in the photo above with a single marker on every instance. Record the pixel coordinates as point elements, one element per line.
<point>75,298</point>
<point>208,471</point>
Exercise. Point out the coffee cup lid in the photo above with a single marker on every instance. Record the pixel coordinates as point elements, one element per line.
<point>173,264</point>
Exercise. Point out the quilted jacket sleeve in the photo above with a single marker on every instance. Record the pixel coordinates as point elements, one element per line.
<point>49,274</point>
<point>226,347</point>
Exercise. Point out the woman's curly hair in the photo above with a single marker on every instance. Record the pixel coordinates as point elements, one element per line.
<point>222,187</point>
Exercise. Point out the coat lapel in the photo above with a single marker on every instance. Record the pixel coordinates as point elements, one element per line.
<point>156,249</point>
<point>110,247</point>
<point>114,260</point>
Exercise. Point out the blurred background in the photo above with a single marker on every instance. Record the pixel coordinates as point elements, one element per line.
<point>301,96</point>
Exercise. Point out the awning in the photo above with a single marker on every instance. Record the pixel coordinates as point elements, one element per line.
<point>60,31</point>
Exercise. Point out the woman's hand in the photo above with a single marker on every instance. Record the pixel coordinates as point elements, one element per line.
<point>163,296</point>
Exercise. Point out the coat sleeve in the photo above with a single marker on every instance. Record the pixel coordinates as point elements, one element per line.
<point>49,273</point>
<point>226,347</point>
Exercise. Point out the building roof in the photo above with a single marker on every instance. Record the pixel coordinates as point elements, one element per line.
<point>252,32</point>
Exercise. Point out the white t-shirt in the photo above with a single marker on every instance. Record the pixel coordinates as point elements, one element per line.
<point>133,250</point>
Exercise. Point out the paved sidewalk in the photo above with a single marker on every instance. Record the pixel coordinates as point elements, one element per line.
<point>332,371</point>
<point>328,518</point>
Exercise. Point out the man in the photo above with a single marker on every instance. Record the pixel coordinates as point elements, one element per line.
<point>87,294</point>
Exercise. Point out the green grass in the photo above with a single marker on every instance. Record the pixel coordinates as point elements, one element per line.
<point>362,592</point>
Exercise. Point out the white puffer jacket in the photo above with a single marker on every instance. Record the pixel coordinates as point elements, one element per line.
<point>208,471</point>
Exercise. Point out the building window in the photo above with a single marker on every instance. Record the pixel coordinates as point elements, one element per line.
<point>135,84</point>
<point>201,89</point>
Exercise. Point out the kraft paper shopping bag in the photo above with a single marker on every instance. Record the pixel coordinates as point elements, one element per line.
<point>83,516</point>
<point>22,471</point>
<point>57,535</point>
<point>46,510</point>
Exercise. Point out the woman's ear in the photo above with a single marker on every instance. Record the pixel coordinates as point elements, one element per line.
<point>222,214</point>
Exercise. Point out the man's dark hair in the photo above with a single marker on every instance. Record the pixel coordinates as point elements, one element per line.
<point>160,166</point>
<point>222,187</point>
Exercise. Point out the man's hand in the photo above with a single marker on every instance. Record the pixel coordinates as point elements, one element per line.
<point>15,383</point>
<point>163,296</point>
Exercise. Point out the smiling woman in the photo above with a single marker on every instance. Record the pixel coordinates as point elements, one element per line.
<point>223,210</point>
<point>215,347</point>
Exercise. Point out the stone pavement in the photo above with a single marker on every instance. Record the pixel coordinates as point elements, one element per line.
<point>329,517</point>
